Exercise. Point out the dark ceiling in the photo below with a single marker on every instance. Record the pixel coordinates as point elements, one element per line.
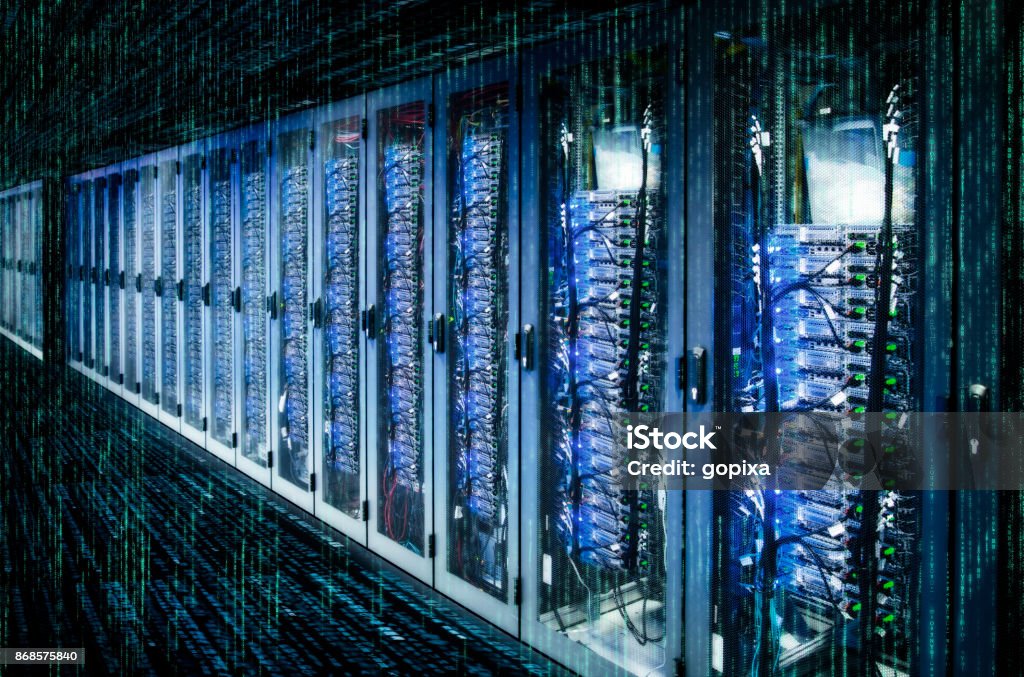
<point>87,83</point>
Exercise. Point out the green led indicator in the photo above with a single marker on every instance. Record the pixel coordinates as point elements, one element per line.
<point>891,347</point>
<point>890,551</point>
<point>859,509</point>
<point>889,618</point>
<point>860,343</point>
<point>856,606</point>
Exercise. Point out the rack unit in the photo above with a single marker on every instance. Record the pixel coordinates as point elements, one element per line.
<point>21,266</point>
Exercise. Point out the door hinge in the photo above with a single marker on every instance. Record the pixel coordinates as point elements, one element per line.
<point>181,290</point>
<point>312,482</point>
<point>204,424</point>
<point>270,459</point>
<point>366,511</point>
<point>120,279</point>
<point>517,342</point>
<point>432,546</point>
<point>234,440</point>
<point>236,299</point>
<point>120,379</point>
<point>517,591</point>
<point>158,286</point>
<point>138,283</point>
<point>177,166</point>
<point>179,410</point>
<point>206,294</point>
<point>138,387</point>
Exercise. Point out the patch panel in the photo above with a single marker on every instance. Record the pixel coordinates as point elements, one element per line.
<point>254,305</point>
<point>341,330</point>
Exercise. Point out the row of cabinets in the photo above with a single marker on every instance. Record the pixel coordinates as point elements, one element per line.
<point>21,257</point>
<point>416,313</point>
<point>360,307</point>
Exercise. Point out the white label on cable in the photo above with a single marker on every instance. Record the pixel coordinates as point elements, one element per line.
<point>838,398</point>
<point>836,529</point>
<point>545,569</point>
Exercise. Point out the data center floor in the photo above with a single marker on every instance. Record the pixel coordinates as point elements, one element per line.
<point>121,537</point>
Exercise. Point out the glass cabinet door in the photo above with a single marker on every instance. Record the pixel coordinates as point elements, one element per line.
<point>476,373</point>
<point>292,410</point>
<point>147,257</point>
<point>89,270</point>
<point>132,281</point>
<point>256,306</point>
<point>602,545</point>
<point>399,145</point>
<point>224,300</point>
<point>113,277</point>
<point>193,330</point>
<point>99,289</point>
<point>342,469</point>
<point>74,291</point>
<point>817,124</point>
<point>168,283</point>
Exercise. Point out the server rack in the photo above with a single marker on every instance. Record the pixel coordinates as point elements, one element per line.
<point>74,274</point>
<point>99,269</point>
<point>113,283</point>
<point>475,319</point>
<point>257,302</point>
<point>193,292</point>
<point>149,286</point>
<point>130,282</point>
<point>339,370</point>
<point>398,298</point>
<point>602,573</point>
<point>86,206</point>
<point>291,321</point>
<point>21,234</point>
<point>169,287</point>
<point>804,102</point>
<point>223,296</point>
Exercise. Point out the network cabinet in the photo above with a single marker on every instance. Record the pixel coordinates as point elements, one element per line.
<point>602,563</point>
<point>339,367</point>
<point>472,330</point>
<point>22,223</point>
<point>821,289</point>
<point>399,291</point>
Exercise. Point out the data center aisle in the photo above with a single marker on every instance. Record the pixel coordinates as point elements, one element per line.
<point>118,536</point>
